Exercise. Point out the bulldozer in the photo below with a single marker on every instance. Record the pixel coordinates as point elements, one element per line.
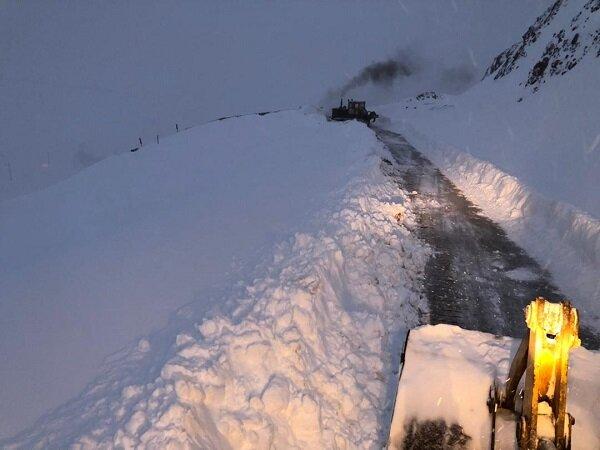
<point>454,391</point>
<point>354,110</point>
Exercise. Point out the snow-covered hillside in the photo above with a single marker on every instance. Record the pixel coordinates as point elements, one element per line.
<point>80,81</point>
<point>529,153</point>
<point>120,245</point>
<point>552,46</point>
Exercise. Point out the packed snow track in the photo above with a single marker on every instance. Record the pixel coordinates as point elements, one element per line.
<point>477,277</point>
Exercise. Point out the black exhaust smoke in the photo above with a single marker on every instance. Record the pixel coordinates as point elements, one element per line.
<point>384,72</point>
<point>416,72</point>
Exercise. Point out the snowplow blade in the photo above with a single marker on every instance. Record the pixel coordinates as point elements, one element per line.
<point>444,390</point>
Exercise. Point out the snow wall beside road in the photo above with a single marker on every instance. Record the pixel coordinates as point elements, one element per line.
<point>562,238</point>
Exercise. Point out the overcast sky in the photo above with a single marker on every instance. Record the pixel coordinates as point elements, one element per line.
<point>81,80</point>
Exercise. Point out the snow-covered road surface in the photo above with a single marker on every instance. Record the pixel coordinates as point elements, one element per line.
<point>477,278</point>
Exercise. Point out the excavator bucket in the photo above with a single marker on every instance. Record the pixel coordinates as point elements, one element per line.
<point>461,389</point>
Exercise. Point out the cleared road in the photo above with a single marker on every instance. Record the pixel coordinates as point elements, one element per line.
<point>477,277</point>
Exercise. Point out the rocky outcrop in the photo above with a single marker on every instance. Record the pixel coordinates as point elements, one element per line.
<point>567,42</point>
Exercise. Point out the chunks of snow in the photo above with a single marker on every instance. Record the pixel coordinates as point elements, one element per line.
<point>304,355</point>
<point>94,262</point>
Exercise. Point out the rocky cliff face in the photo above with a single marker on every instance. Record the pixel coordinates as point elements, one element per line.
<point>565,34</point>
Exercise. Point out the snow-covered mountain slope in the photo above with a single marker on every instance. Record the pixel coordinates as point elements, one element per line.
<point>553,45</point>
<point>530,158</point>
<point>287,244</point>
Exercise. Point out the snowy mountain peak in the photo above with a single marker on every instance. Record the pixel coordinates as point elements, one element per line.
<point>558,40</point>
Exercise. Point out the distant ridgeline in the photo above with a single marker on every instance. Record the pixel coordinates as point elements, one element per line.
<point>557,41</point>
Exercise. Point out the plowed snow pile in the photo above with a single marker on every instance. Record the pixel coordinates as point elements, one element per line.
<point>298,356</point>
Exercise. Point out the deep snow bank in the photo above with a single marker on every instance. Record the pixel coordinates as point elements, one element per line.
<point>108,255</point>
<point>298,356</point>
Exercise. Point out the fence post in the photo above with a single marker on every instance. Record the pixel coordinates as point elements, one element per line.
<point>10,176</point>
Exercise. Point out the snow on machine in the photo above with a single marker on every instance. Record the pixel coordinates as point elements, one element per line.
<point>462,389</point>
<point>354,110</point>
